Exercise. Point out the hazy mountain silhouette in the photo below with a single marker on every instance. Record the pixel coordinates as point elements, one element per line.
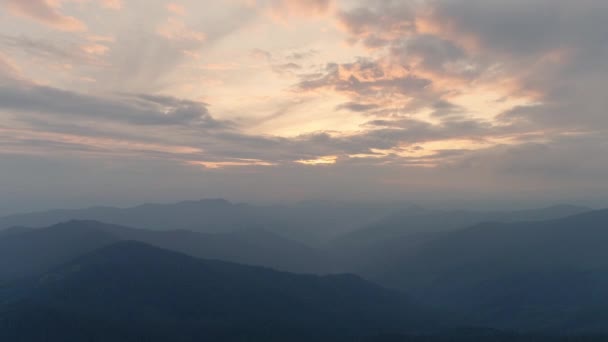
<point>532,270</point>
<point>129,291</point>
<point>30,251</point>
<point>33,251</point>
<point>210,215</point>
<point>417,220</point>
<point>371,247</point>
<point>14,230</point>
<point>544,275</point>
<point>308,221</point>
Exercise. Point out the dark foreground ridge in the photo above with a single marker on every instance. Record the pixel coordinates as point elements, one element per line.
<point>130,291</point>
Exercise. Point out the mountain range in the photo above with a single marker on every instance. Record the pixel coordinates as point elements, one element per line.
<point>130,291</point>
<point>544,275</point>
<point>538,272</point>
<point>28,251</point>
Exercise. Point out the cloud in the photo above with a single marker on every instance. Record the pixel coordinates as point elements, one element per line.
<point>8,70</point>
<point>112,4</point>
<point>379,23</point>
<point>48,51</point>
<point>291,8</point>
<point>286,68</point>
<point>127,108</point>
<point>45,12</point>
<point>554,50</point>
<point>299,55</point>
<point>485,95</point>
<point>176,8</point>
<point>176,29</point>
<point>261,55</point>
<point>364,77</point>
<point>357,107</point>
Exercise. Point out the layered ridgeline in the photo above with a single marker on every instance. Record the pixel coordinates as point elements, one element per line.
<point>543,276</point>
<point>371,248</point>
<point>26,251</point>
<point>129,291</point>
<point>415,220</point>
<point>309,222</point>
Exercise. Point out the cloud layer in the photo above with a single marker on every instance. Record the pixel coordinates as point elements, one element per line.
<point>388,97</point>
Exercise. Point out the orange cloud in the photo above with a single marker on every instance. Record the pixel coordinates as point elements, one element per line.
<point>280,10</point>
<point>112,4</point>
<point>325,160</point>
<point>45,12</point>
<point>223,164</point>
<point>97,144</point>
<point>176,8</point>
<point>95,49</point>
<point>175,29</point>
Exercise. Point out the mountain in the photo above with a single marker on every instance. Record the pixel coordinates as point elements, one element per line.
<point>309,222</point>
<point>210,215</point>
<point>547,275</point>
<point>14,230</point>
<point>129,291</point>
<point>417,220</point>
<point>347,225</point>
<point>249,246</point>
<point>26,252</point>
<point>379,243</point>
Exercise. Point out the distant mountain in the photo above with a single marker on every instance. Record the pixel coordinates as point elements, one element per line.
<point>548,275</point>
<point>34,251</point>
<point>313,222</point>
<point>31,251</point>
<point>418,220</point>
<point>211,215</point>
<point>310,222</point>
<point>377,244</point>
<point>129,291</point>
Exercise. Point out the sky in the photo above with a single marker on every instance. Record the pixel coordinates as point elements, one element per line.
<point>126,101</point>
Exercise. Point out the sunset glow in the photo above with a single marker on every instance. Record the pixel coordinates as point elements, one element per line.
<point>378,87</point>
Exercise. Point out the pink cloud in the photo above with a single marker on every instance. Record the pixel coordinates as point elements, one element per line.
<point>95,49</point>
<point>112,4</point>
<point>175,29</point>
<point>45,12</point>
<point>282,9</point>
<point>176,8</point>
<point>8,68</point>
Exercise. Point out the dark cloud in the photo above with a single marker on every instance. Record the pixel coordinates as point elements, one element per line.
<point>520,27</point>
<point>357,107</point>
<point>299,55</point>
<point>554,49</point>
<point>434,54</point>
<point>286,68</point>
<point>365,78</point>
<point>130,109</point>
<point>379,22</point>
